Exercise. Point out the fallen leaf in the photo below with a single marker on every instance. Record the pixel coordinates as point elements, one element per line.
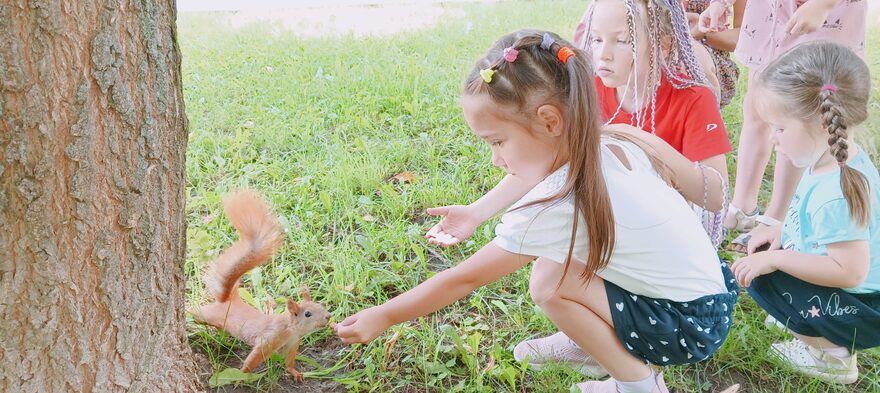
<point>405,177</point>
<point>269,69</point>
<point>491,366</point>
<point>369,218</point>
<point>248,124</point>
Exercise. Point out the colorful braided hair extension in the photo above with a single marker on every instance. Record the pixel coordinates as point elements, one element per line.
<point>678,63</point>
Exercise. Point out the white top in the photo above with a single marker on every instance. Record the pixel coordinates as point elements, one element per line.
<point>660,250</point>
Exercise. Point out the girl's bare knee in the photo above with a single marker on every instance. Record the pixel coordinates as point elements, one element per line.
<point>543,282</point>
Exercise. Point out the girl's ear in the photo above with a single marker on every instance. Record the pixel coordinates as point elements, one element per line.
<point>551,119</point>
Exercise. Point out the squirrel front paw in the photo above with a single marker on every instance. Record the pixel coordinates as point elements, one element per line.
<point>297,376</point>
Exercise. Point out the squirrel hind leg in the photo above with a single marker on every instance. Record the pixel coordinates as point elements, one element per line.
<point>259,353</point>
<point>216,314</point>
<point>200,314</point>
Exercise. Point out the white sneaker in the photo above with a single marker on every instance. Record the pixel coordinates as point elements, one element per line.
<point>816,363</point>
<point>558,349</point>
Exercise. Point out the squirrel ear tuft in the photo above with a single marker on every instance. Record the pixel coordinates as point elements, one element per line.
<point>292,307</point>
<point>304,292</point>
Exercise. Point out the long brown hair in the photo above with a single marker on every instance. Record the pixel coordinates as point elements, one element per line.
<point>826,81</point>
<point>538,76</point>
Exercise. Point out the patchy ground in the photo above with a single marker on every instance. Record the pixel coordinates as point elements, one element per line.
<point>326,355</point>
<point>317,108</point>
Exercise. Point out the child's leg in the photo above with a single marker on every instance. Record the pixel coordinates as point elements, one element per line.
<point>785,180</point>
<point>819,358</point>
<point>829,322</point>
<point>557,348</point>
<point>822,317</point>
<point>753,152</point>
<point>582,312</point>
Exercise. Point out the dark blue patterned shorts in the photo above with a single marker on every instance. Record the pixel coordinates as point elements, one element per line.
<point>665,332</point>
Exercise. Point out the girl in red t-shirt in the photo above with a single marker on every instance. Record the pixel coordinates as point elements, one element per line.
<point>656,84</point>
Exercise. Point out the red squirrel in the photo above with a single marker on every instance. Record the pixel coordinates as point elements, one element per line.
<point>259,238</point>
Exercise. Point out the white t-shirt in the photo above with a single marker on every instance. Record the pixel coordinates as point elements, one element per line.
<point>660,250</point>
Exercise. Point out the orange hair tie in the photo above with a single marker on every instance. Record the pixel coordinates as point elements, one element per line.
<point>564,54</point>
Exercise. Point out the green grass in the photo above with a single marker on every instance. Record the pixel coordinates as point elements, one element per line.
<point>321,132</point>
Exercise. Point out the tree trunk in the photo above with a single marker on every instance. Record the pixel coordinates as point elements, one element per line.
<point>92,232</point>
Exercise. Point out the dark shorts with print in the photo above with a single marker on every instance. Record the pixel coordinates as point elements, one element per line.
<point>846,319</point>
<point>665,332</point>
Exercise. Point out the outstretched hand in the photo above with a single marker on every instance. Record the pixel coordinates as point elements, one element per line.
<point>459,223</point>
<point>362,327</point>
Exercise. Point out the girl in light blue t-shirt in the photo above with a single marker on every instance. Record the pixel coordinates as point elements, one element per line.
<point>820,278</point>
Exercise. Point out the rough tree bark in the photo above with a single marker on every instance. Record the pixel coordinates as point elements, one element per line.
<point>92,232</point>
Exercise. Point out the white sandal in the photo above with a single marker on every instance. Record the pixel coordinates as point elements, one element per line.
<point>738,220</point>
<point>740,243</point>
<point>742,240</point>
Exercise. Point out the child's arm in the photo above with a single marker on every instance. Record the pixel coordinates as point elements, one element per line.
<point>716,181</point>
<point>459,222</point>
<point>845,266</point>
<point>726,40</point>
<point>714,17</point>
<point>690,178</point>
<point>487,265</point>
<point>810,16</point>
<point>709,68</point>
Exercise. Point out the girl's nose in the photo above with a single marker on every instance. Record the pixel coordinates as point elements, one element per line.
<point>496,159</point>
<point>605,51</point>
<point>774,138</point>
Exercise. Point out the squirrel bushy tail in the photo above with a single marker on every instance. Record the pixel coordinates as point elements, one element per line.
<point>259,238</point>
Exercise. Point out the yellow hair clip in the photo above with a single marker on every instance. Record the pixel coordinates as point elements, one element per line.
<point>487,74</point>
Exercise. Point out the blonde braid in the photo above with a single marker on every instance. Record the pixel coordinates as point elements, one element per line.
<point>631,22</point>
<point>853,183</point>
<point>834,123</point>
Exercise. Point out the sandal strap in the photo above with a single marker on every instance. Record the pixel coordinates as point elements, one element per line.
<point>739,220</point>
<point>767,220</point>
